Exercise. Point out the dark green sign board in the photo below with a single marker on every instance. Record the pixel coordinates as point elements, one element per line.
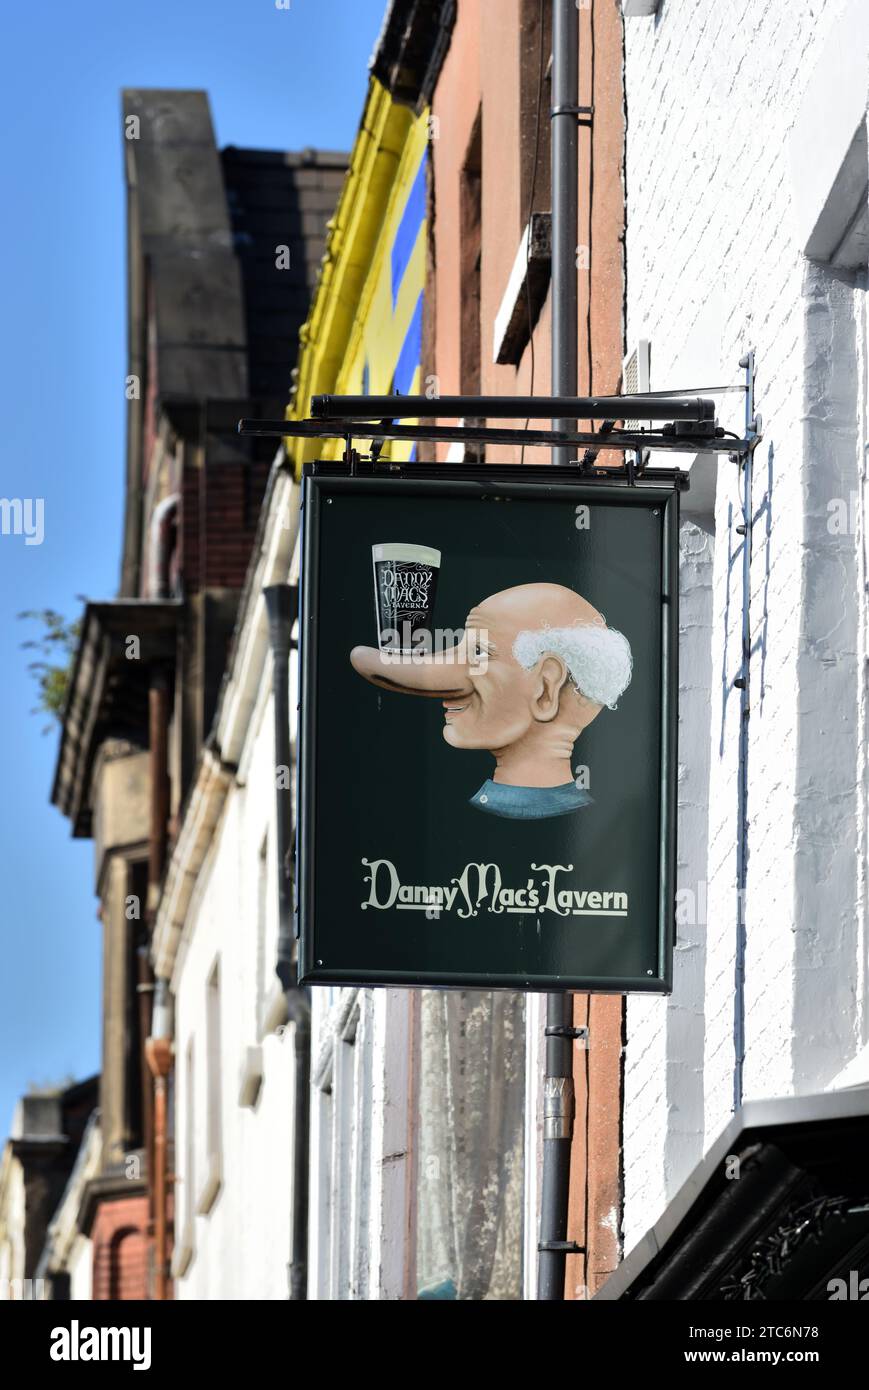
<point>487,731</point>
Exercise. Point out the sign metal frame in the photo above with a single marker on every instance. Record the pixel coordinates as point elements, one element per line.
<point>324,481</point>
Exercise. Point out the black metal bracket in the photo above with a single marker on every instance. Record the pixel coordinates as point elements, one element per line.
<point>690,429</point>
<point>644,405</point>
<point>545,475</point>
<point>559,1247</point>
<point>714,441</point>
<point>687,424</point>
<point>583,114</point>
<point>564,1030</point>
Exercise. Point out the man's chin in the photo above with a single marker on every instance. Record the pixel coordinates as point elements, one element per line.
<point>457,739</point>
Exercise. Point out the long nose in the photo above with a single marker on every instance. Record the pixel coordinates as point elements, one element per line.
<point>440,676</point>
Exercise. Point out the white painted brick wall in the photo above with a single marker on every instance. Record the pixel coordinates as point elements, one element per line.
<point>713,267</point>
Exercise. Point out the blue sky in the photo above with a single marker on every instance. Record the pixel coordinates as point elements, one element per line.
<point>278,78</point>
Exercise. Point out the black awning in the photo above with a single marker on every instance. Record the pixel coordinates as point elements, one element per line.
<point>777,1210</point>
<point>108,694</point>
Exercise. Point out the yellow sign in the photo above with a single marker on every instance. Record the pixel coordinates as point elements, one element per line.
<point>364,332</point>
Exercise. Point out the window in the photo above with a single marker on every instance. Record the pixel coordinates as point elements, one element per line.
<point>469,1143</point>
<point>342,1176</point>
<point>213,1108</point>
<point>187,1203</point>
<point>342,1138</point>
<point>322,1183</point>
<point>137,891</point>
<point>535,91</point>
<point>528,284</point>
<point>262,907</point>
<point>471,254</point>
<point>190,1146</point>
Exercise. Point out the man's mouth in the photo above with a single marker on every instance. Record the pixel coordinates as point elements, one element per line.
<point>453,709</point>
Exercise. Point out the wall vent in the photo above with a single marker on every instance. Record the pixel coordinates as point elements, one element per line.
<point>636,9</point>
<point>636,376</point>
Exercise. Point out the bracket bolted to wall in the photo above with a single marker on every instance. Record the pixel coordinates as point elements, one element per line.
<point>583,114</point>
<point>565,1030</point>
<point>683,423</point>
<point>744,457</point>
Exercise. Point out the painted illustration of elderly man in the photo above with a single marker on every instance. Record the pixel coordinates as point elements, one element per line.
<point>536,664</point>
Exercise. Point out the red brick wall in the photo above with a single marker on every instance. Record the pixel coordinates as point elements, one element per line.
<point>220,511</point>
<point>486,45</point>
<point>121,1250</point>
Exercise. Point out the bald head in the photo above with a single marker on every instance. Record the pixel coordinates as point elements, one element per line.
<point>534,666</point>
<point>535,605</point>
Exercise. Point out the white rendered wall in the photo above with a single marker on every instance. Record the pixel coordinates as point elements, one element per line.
<point>80,1263</point>
<point>717,216</point>
<point>12,1220</point>
<point>241,1246</point>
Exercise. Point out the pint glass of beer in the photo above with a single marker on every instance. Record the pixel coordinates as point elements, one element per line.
<point>405,582</point>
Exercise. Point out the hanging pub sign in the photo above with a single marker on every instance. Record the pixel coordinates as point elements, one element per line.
<point>487,731</point>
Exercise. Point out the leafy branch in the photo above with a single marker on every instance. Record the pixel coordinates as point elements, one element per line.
<point>52,668</point>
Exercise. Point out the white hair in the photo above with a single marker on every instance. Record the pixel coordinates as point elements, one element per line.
<point>598,657</point>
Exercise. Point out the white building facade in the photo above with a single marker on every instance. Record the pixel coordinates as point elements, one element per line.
<point>748,227</point>
<point>216,941</point>
<point>747,230</point>
<point>393,1159</point>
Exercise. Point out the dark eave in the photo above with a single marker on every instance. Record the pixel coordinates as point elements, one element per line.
<point>30,1146</point>
<point>108,694</point>
<point>111,1187</point>
<point>410,51</point>
<point>790,1216</point>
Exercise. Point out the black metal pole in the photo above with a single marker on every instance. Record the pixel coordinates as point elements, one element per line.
<point>563,401</point>
<point>558,1095</point>
<point>558,1113</point>
<point>565,213</point>
<point>691,438</point>
<point>282,606</point>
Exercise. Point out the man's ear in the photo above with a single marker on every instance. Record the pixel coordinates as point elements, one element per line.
<point>551,676</point>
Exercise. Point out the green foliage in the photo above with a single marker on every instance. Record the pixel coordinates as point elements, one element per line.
<point>52,668</point>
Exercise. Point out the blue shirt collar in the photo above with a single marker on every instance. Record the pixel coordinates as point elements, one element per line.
<point>529,803</point>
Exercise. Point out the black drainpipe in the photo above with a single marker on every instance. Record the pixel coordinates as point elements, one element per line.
<point>282,602</point>
<point>558,1092</point>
